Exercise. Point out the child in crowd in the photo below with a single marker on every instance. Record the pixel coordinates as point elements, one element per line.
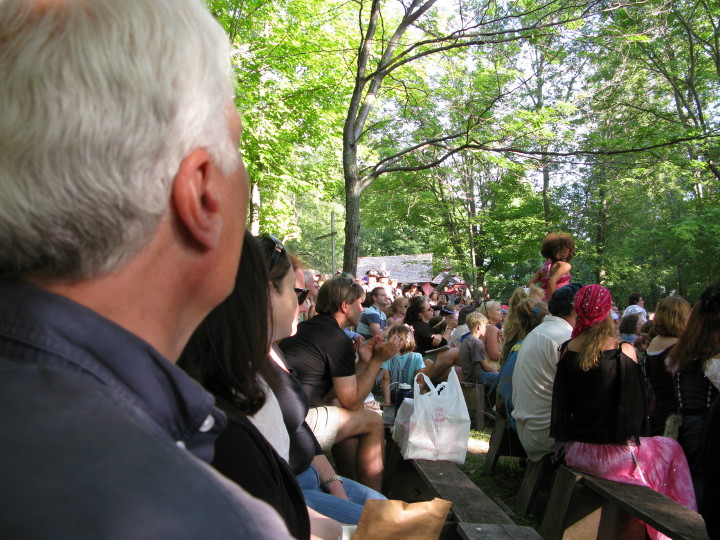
<point>558,250</point>
<point>474,362</point>
<point>403,367</point>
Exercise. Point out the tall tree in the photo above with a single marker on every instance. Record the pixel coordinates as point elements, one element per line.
<point>391,47</point>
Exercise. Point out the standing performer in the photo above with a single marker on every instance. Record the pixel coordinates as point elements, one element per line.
<point>558,249</point>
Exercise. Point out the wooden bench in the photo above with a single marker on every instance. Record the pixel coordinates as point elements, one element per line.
<point>537,479</point>
<point>474,395</point>
<point>620,508</point>
<point>504,441</point>
<point>475,514</point>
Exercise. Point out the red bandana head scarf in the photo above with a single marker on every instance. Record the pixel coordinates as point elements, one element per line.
<point>592,305</point>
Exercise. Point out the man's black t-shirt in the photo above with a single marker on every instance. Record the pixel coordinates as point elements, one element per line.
<point>318,352</point>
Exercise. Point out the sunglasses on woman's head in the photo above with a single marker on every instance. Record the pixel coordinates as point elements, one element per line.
<point>301,295</point>
<point>277,252</point>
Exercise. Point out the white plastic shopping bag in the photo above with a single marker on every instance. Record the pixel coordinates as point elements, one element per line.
<point>439,425</point>
<point>402,421</point>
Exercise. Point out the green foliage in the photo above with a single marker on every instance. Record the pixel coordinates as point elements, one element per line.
<point>601,123</point>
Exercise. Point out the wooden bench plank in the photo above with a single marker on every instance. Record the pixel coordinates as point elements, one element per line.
<point>503,442</point>
<point>655,509</point>
<point>474,395</point>
<point>622,506</point>
<point>493,531</point>
<point>553,524</point>
<point>470,503</point>
<point>536,473</point>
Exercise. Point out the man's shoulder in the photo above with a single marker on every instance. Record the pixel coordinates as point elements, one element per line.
<point>317,330</point>
<point>372,315</point>
<point>553,329</point>
<point>634,309</point>
<point>128,478</point>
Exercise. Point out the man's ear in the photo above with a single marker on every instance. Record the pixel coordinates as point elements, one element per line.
<point>196,198</point>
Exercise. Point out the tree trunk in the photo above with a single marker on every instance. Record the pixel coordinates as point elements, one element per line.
<point>352,216</point>
<point>254,224</point>
<point>601,234</point>
<point>546,192</point>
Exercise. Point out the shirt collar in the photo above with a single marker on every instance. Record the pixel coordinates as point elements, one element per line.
<point>557,320</point>
<point>54,329</point>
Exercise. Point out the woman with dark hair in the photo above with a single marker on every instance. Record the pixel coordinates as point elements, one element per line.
<point>695,366</point>
<point>671,316</point>
<point>418,317</point>
<point>598,408</point>
<point>558,250</point>
<point>629,328</point>
<point>337,497</point>
<point>226,354</point>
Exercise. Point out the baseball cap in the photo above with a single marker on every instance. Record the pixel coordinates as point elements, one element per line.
<point>562,301</point>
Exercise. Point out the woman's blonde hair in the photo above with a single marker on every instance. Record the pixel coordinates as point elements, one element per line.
<point>523,317</point>
<point>486,306</point>
<point>393,309</point>
<point>511,325</point>
<point>536,291</point>
<point>671,316</point>
<point>595,338</point>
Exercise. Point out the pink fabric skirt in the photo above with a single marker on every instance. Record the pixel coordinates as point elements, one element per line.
<point>659,463</point>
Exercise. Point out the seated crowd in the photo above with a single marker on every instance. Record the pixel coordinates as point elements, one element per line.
<point>165,374</point>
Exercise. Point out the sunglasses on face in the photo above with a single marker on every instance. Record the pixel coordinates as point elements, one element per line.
<point>301,295</point>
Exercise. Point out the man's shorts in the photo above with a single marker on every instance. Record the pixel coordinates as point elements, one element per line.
<point>324,423</point>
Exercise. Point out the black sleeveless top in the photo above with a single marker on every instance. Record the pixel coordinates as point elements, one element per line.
<point>604,405</point>
<point>661,383</point>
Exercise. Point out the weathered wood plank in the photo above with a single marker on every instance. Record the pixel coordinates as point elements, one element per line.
<point>474,395</point>
<point>648,505</point>
<point>553,524</point>
<point>503,442</point>
<point>536,474</point>
<point>623,505</point>
<point>493,531</point>
<point>470,503</point>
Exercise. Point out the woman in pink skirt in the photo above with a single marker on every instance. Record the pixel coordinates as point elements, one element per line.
<point>599,409</point>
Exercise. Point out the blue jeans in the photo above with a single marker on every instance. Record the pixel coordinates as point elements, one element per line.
<point>347,512</point>
<point>488,378</point>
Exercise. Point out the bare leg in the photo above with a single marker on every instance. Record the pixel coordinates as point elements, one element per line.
<point>445,360</point>
<point>459,373</point>
<point>345,453</point>
<point>367,427</point>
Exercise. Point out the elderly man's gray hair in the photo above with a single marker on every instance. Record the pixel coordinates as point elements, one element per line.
<point>100,100</point>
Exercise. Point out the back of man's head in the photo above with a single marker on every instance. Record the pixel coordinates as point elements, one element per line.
<point>334,292</point>
<point>99,103</point>
<point>562,302</point>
